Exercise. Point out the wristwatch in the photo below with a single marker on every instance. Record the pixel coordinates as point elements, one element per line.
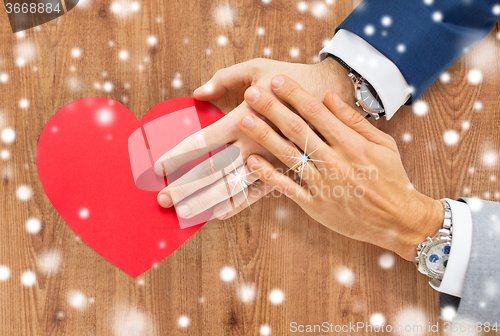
<point>366,96</point>
<point>433,253</point>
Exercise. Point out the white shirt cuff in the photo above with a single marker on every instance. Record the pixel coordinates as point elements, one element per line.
<point>461,244</point>
<point>377,69</point>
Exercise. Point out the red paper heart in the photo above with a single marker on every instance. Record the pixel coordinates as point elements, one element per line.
<point>84,166</point>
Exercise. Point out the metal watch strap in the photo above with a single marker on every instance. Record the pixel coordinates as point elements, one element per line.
<point>344,64</point>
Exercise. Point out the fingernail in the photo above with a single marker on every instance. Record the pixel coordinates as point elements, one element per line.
<point>248,121</point>
<point>220,214</point>
<point>158,168</point>
<point>183,210</point>
<point>252,163</point>
<point>252,94</point>
<point>164,200</point>
<point>337,100</point>
<point>199,90</point>
<point>277,81</point>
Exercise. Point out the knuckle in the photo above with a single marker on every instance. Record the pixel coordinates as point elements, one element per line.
<point>290,153</point>
<point>196,142</point>
<point>312,108</point>
<point>291,93</point>
<point>264,134</point>
<point>266,175</point>
<point>295,127</point>
<point>267,106</point>
<point>355,118</point>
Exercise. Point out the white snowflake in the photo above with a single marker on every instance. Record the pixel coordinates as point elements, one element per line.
<point>401,48</point>
<point>124,8</point>
<point>183,321</point>
<point>386,260</point>
<point>33,225</point>
<point>247,292</point>
<point>20,62</point>
<point>496,9</point>
<point>377,319</point>
<point>107,86</point>
<point>344,276</point>
<point>490,158</point>
<point>177,81</point>
<point>4,78</point>
<point>465,125</point>
<point>28,278</point>
<point>123,55</point>
<point>76,52</point>
<point>428,2</point>
<point>77,300</point>
<point>451,137</point>
<point>299,26</point>
<point>4,273</point>
<point>407,137</point>
<point>227,274</point>
<point>49,262</point>
<point>448,313</point>
<point>23,192</point>
<point>420,108</point>
<point>386,21</point>
<point>260,31</point>
<point>83,213</point>
<point>478,105</point>
<point>475,204</point>
<point>445,78</point>
<point>222,40</point>
<point>266,2</point>
<point>276,296</point>
<point>24,103</point>
<point>4,154</point>
<point>152,40</point>
<point>265,330</point>
<point>224,15</point>
<point>105,116</point>
<point>319,9</point>
<point>437,16</point>
<point>475,76</point>
<point>294,52</point>
<point>302,6</point>
<point>369,30</point>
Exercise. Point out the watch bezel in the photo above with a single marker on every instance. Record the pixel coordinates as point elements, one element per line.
<point>421,259</point>
<point>376,114</point>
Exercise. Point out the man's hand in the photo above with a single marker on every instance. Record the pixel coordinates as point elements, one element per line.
<point>354,181</point>
<point>207,187</point>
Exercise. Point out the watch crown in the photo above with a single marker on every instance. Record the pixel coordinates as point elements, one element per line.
<point>358,104</point>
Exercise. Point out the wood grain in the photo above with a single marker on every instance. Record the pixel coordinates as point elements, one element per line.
<point>273,245</point>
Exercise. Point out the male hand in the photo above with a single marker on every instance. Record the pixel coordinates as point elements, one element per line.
<point>354,181</point>
<point>204,187</point>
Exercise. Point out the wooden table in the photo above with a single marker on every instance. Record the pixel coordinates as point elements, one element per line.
<point>273,246</point>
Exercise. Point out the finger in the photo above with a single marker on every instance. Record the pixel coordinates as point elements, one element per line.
<point>354,120</point>
<point>220,191</point>
<point>278,181</point>
<point>311,109</point>
<point>204,174</point>
<point>290,124</point>
<point>284,150</point>
<point>198,144</point>
<point>232,78</point>
<point>244,199</point>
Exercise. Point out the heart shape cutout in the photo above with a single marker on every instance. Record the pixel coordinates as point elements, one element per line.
<point>86,171</point>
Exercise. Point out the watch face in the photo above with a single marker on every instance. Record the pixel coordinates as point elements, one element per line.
<point>437,258</point>
<point>370,97</point>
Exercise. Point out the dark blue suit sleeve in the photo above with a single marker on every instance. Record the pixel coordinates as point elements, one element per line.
<point>431,46</point>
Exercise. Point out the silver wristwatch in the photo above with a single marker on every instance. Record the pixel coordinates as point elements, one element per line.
<point>366,96</point>
<point>433,253</point>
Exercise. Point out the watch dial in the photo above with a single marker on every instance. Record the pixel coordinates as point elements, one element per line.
<point>437,258</point>
<point>369,97</point>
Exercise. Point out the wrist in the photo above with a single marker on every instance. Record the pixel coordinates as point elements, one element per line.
<point>424,219</point>
<point>335,78</point>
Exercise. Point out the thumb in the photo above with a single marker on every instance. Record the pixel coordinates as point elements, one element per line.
<point>233,78</point>
<point>353,119</point>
